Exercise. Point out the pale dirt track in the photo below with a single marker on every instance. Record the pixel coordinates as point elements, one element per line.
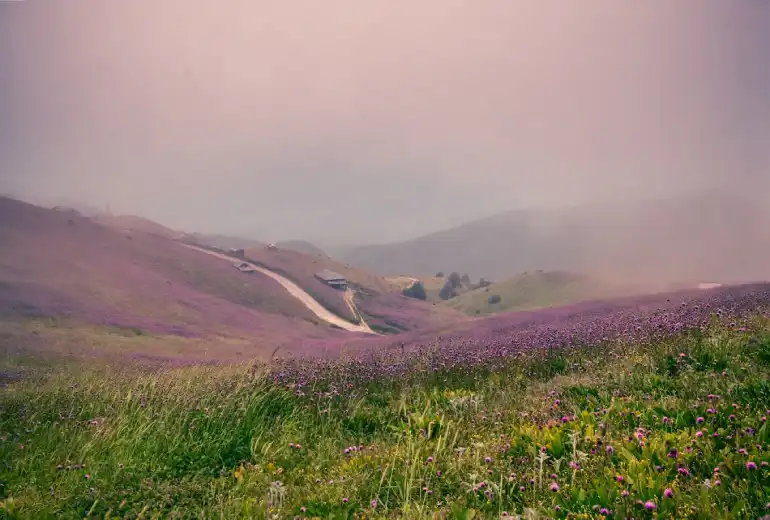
<point>300,294</point>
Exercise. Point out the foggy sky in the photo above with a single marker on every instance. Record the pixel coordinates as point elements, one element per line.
<point>373,121</point>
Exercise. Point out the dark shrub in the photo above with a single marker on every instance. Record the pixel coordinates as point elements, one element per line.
<point>448,291</point>
<point>417,291</point>
<point>484,283</point>
<point>495,298</point>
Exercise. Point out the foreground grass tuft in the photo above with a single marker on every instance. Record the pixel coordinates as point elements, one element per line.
<point>673,429</point>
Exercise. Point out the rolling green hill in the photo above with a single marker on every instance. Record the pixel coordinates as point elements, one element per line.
<point>534,290</point>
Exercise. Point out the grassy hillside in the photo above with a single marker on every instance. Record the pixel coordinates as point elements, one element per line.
<point>431,284</point>
<point>302,246</point>
<point>135,223</point>
<point>223,241</point>
<point>59,265</point>
<point>394,313</point>
<point>532,291</point>
<point>667,422</point>
<point>380,301</point>
<point>129,273</point>
<point>301,269</point>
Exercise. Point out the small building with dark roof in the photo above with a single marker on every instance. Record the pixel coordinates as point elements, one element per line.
<point>332,279</point>
<point>244,267</point>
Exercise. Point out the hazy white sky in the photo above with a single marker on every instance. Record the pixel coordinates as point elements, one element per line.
<point>372,121</point>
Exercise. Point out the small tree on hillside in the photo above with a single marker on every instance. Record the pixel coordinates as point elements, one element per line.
<point>484,282</point>
<point>416,290</point>
<point>454,280</point>
<point>465,279</point>
<point>448,291</point>
<point>440,274</point>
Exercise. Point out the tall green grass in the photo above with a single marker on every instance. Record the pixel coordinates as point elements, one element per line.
<point>224,442</point>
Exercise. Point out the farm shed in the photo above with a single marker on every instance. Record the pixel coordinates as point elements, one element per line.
<point>244,267</point>
<point>332,279</point>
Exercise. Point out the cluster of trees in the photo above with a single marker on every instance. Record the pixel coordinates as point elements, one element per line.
<point>456,281</point>
<point>453,282</point>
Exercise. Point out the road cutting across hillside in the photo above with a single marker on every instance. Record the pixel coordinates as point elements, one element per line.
<point>298,292</point>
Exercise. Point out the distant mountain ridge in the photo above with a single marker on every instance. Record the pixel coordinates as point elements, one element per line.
<point>708,236</point>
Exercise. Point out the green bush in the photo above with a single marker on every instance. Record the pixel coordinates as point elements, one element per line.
<point>416,290</point>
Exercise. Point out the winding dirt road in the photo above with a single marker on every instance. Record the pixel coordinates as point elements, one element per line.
<point>299,293</point>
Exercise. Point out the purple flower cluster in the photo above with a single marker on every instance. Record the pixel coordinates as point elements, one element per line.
<point>494,341</point>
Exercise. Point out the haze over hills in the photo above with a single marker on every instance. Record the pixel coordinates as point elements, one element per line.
<point>703,236</point>
<point>429,259</point>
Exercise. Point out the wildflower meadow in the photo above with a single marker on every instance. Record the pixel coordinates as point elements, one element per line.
<point>621,414</point>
